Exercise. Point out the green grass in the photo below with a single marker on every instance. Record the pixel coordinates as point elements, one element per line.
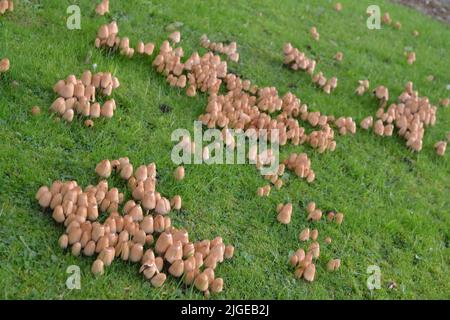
<point>396,202</point>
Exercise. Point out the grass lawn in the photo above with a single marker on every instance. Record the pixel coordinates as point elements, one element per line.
<point>396,202</point>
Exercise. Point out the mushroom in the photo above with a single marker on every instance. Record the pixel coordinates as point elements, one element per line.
<point>163,243</point>
<point>309,272</point>
<point>4,65</point>
<point>177,268</point>
<point>162,206</point>
<point>179,173</point>
<point>333,264</point>
<point>440,147</point>
<point>174,252</point>
<point>386,18</point>
<point>217,285</point>
<point>314,234</point>
<point>76,249</point>
<point>176,202</point>
<point>98,267</point>
<point>314,34</point>
<point>158,280</point>
<point>107,256</point>
<point>367,123</point>
<point>382,93</point>
<point>63,241</point>
<point>201,282</point>
<point>304,235</point>
<point>89,123</point>
<point>175,37</point>
<point>411,57</point>
<point>103,169</point>
<point>339,217</point>
<point>314,249</point>
<point>229,252</point>
<point>284,214</point>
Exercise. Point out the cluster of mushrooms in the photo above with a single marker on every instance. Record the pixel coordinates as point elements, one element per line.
<point>229,50</point>
<point>107,37</point>
<point>204,73</point>
<point>275,178</point>
<point>411,57</point>
<point>143,234</point>
<point>346,125</point>
<point>386,19</point>
<point>4,65</point>
<point>6,5</point>
<point>314,33</point>
<point>411,115</point>
<point>327,85</point>
<point>300,164</point>
<point>297,60</point>
<point>78,96</point>
<point>364,85</point>
<point>246,107</point>
<point>102,7</point>
<point>303,261</point>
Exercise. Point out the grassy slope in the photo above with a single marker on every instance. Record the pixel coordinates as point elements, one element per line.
<point>396,202</point>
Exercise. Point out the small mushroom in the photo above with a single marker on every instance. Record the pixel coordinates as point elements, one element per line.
<point>201,282</point>
<point>229,252</point>
<point>174,252</point>
<point>63,241</point>
<point>76,249</point>
<point>103,169</point>
<point>309,272</point>
<point>158,280</point>
<point>338,7</point>
<point>163,243</point>
<point>314,34</point>
<point>98,267</point>
<point>4,65</point>
<point>339,217</point>
<point>440,147</point>
<point>217,285</point>
<point>89,123</point>
<point>35,110</point>
<point>333,264</point>
<point>177,268</point>
<point>314,234</point>
<point>304,235</point>
<point>176,202</point>
<point>285,213</point>
<point>179,173</point>
<point>175,37</point>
